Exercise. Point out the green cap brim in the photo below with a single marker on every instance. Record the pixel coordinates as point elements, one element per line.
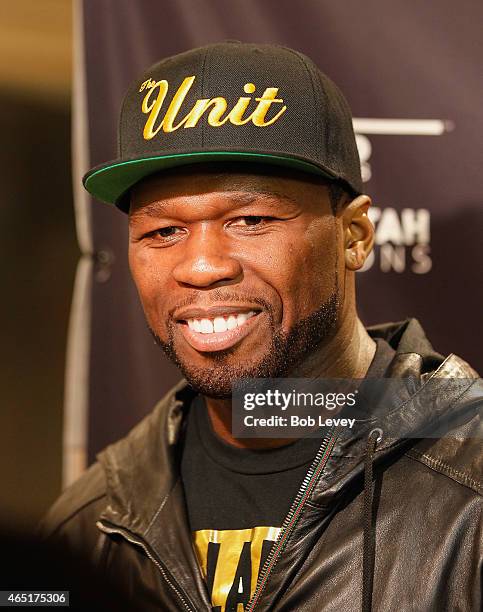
<point>111,181</point>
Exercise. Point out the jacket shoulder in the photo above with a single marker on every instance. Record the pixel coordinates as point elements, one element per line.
<point>84,499</point>
<point>458,455</point>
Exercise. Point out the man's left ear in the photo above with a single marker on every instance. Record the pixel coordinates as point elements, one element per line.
<point>358,232</point>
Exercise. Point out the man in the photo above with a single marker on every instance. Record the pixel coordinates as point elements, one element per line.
<point>247,223</point>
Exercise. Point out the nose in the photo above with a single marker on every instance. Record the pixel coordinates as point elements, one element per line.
<point>205,260</point>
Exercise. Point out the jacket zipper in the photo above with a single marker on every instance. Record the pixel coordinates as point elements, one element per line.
<point>164,572</point>
<point>293,515</point>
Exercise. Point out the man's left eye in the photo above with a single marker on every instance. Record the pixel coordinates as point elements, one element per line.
<point>251,220</point>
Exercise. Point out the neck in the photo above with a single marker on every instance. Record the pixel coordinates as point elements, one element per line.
<point>347,354</point>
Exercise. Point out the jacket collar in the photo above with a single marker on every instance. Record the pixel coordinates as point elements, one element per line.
<point>142,469</point>
<point>145,495</point>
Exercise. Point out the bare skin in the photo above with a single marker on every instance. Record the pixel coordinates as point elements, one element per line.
<point>204,243</point>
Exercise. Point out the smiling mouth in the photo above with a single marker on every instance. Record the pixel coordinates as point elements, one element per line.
<point>219,332</point>
<point>220,324</point>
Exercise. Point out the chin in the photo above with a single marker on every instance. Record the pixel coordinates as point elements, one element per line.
<point>216,380</point>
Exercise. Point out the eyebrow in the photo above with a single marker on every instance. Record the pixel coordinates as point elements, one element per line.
<point>259,194</point>
<point>239,199</point>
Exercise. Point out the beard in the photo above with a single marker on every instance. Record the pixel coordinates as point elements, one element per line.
<point>284,353</point>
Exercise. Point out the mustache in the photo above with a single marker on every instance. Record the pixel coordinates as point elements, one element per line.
<point>218,295</point>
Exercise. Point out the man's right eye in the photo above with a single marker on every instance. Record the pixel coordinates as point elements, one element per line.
<point>163,235</point>
<point>166,232</point>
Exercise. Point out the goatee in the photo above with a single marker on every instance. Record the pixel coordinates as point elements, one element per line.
<point>284,353</point>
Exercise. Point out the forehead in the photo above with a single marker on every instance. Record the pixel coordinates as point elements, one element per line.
<point>277,184</point>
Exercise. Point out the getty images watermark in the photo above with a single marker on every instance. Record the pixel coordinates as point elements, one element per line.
<point>402,407</point>
<point>275,398</point>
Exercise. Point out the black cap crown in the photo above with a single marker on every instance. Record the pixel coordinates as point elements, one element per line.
<point>231,101</point>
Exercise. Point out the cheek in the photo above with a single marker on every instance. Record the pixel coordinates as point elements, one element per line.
<point>148,278</point>
<point>139,264</point>
<point>312,261</point>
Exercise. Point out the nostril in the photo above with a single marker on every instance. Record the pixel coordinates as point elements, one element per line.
<point>207,272</point>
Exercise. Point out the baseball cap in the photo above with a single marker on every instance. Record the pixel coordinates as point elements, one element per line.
<point>230,101</point>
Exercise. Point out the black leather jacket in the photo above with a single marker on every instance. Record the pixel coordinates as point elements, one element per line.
<point>413,542</point>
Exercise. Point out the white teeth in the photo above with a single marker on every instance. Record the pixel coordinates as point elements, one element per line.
<point>231,323</point>
<point>241,318</point>
<point>206,326</point>
<point>219,324</point>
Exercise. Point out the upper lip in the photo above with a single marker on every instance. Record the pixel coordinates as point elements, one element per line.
<point>209,312</point>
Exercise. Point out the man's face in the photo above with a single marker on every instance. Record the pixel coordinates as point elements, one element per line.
<point>237,273</point>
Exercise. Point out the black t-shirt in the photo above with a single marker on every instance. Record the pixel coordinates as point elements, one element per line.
<point>238,498</point>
